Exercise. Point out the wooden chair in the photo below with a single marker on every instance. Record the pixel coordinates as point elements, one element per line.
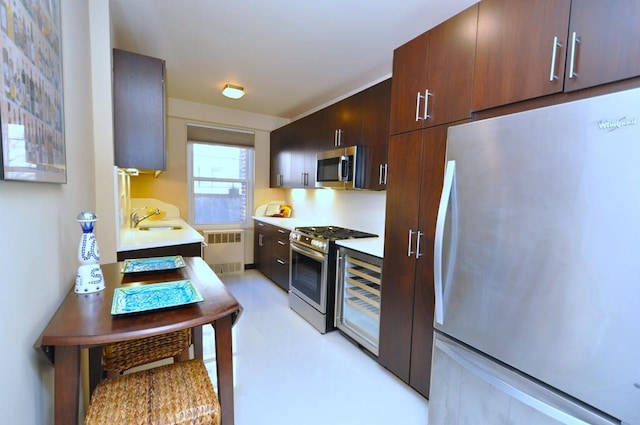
<point>178,393</point>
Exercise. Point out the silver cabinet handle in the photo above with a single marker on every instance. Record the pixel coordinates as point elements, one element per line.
<point>425,114</point>
<point>554,54</point>
<point>281,243</point>
<point>280,261</point>
<point>382,174</point>
<point>386,173</point>
<point>574,46</point>
<point>409,252</point>
<point>282,231</point>
<point>260,241</point>
<point>337,137</point>
<point>426,105</point>
<point>418,253</point>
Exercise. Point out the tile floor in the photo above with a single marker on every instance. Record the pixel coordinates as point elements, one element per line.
<point>288,373</point>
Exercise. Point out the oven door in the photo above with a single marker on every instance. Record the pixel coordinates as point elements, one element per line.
<point>308,276</point>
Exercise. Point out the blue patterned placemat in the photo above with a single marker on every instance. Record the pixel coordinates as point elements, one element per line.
<point>153,264</point>
<point>154,296</point>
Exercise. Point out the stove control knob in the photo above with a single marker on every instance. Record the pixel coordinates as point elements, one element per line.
<point>319,244</point>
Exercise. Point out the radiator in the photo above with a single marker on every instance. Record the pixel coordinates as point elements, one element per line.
<point>224,250</point>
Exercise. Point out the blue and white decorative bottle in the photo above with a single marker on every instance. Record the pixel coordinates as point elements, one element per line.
<point>89,277</point>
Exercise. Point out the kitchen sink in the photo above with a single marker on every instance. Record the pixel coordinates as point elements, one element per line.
<point>159,227</point>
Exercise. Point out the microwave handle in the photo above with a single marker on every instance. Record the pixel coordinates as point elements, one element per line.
<point>343,160</point>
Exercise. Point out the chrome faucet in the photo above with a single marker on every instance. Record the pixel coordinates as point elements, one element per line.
<point>135,220</point>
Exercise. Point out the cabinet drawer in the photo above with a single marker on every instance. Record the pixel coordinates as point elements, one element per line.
<point>280,272</point>
<point>281,248</point>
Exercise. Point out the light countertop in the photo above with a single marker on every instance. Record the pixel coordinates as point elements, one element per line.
<point>286,223</point>
<point>132,239</point>
<point>371,246</point>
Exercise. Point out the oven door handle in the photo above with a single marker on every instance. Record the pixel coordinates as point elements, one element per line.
<point>318,256</point>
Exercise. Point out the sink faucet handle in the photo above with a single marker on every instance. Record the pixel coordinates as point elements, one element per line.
<point>134,215</point>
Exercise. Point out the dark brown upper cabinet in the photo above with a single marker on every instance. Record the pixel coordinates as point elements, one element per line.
<point>433,75</point>
<point>361,119</point>
<point>344,123</point>
<point>604,42</point>
<point>527,49</point>
<point>139,111</point>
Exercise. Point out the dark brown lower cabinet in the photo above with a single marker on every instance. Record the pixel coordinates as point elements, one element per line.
<point>271,252</point>
<point>416,171</point>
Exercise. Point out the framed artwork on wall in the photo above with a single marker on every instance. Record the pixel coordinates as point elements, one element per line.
<point>31,95</point>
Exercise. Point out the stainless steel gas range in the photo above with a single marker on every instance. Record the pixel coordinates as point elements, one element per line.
<point>312,276</point>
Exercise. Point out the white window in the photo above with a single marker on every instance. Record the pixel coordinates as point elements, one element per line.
<point>221,183</point>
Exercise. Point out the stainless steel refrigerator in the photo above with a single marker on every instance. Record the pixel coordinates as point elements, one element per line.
<point>537,268</point>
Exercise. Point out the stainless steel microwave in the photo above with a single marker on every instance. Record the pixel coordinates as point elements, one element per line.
<point>340,168</point>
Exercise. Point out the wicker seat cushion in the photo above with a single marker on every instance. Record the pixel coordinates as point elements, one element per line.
<point>179,393</point>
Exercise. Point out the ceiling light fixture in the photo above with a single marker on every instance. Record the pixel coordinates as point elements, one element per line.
<point>233,92</point>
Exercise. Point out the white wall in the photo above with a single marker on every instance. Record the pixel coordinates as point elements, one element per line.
<point>102,137</point>
<point>40,236</point>
<point>355,209</point>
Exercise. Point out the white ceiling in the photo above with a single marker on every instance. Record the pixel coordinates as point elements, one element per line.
<point>292,56</point>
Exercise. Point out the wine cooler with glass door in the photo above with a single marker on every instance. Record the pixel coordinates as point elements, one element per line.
<point>358,287</point>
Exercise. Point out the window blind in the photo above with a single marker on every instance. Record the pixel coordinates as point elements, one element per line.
<point>221,136</point>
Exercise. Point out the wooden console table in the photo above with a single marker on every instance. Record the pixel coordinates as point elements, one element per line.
<point>85,321</point>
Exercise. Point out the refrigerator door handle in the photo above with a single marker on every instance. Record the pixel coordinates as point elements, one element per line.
<point>447,189</point>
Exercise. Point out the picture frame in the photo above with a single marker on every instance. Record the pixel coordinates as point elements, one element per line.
<point>31,94</point>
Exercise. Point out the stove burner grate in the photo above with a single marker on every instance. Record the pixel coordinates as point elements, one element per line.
<point>334,232</point>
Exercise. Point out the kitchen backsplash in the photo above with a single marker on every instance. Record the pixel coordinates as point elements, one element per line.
<point>360,210</point>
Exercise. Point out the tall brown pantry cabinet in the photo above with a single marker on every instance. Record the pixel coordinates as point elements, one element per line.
<point>433,71</point>
<point>416,164</point>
